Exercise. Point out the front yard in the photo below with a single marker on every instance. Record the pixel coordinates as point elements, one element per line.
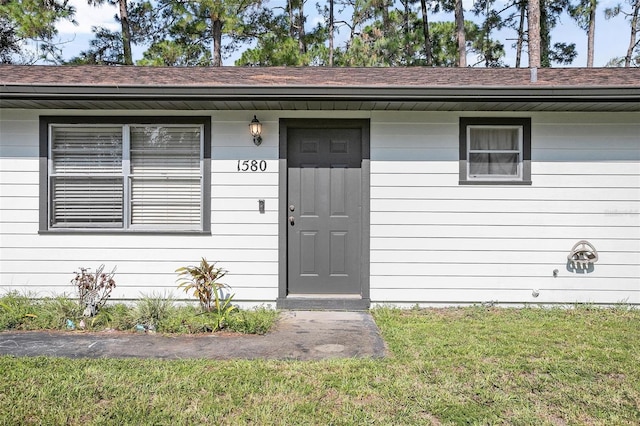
<point>448,366</point>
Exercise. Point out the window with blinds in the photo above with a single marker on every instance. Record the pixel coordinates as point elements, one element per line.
<point>165,177</point>
<point>130,177</point>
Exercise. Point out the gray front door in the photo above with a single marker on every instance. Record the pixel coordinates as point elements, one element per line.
<point>324,211</point>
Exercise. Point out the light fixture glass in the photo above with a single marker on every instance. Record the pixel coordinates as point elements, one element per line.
<point>255,127</point>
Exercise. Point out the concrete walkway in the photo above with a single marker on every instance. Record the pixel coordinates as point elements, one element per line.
<point>298,335</point>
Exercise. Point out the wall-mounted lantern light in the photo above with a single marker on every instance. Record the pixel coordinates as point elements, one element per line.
<point>255,127</point>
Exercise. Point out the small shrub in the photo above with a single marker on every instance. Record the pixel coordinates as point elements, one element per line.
<point>255,321</point>
<point>22,312</point>
<point>113,316</point>
<point>16,311</point>
<point>204,281</point>
<point>93,289</point>
<point>53,313</point>
<point>118,316</point>
<point>183,319</point>
<point>151,311</point>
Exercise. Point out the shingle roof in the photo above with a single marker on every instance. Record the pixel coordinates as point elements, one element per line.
<point>316,76</point>
<point>316,88</point>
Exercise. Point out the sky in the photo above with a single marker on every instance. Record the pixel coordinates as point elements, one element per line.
<point>611,38</point>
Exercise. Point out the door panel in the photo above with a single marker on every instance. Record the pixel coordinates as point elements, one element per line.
<point>324,227</point>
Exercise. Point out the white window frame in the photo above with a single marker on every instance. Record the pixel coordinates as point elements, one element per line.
<point>495,177</point>
<point>126,160</point>
<point>52,175</point>
<point>126,174</point>
<point>523,124</point>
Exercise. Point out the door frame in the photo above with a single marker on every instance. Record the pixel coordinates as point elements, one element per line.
<point>348,302</point>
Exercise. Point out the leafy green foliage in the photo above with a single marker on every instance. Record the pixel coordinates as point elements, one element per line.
<point>16,311</point>
<point>114,317</point>
<point>32,21</point>
<point>152,311</point>
<point>9,42</point>
<point>278,45</point>
<point>371,48</point>
<point>52,313</point>
<point>194,33</point>
<point>105,49</point>
<point>182,52</point>
<point>203,280</point>
<point>23,312</point>
<point>255,321</point>
<point>155,312</point>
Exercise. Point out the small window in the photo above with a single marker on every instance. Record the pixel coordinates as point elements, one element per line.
<point>495,151</point>
<point>125,176</point>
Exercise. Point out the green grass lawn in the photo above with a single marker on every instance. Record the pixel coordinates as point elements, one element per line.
<point>447,366</point>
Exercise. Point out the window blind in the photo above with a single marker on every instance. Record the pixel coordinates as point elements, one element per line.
<point>165,176</point>
<point>86,181</point>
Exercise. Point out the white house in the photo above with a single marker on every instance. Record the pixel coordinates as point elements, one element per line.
<point>370,186</point>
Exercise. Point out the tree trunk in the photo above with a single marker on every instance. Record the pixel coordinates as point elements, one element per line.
<point>126,32</point>
<point>408,51</point>
<point>545,35</point>
<point>302,44</point>
<point>216,35</point>
<point>634,33</point>
<point>292,21</point>
<point>520,41</point>
<point>428,52</point>
<point>386,23</point>
<point>533,21</point>
<point>591,33</point>
<point>331,29</point>
<point>460,34</point>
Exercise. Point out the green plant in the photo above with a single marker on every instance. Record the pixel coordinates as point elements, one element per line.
<point>204,281</point>
<point>53,313</point>
<point>93,289</point>
<point>16,311</point>
<point>255,321</point>
<point>118,317</point>
<point>151,311</point>
<point>183,319</point>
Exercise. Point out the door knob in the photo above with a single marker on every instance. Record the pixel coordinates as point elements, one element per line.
<point>291,220</point>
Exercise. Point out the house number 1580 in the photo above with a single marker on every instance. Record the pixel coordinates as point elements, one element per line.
<point>252,166</point>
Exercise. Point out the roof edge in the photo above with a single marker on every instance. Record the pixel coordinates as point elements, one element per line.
<point>316,92</point>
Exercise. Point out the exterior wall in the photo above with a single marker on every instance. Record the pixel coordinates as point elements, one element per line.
<point>432,240</point>
<point>242,240</point>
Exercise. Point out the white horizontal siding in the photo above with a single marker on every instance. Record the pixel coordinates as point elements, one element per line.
<point>530,244</point>
<point>458,283</point>
<point>475,295</point>
<point>144,267</point>
<point>515,206</point>
<point>434,241</point>
<point>576,181</point>
<point>243,240</point>
<point>493,218</point>
<point>138,241</point>
<point>479,193</point>
<point>495,257</point>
